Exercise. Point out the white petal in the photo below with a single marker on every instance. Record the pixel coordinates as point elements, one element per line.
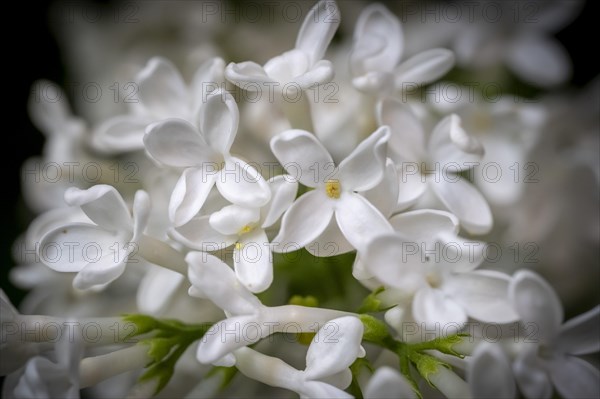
<point>218,120</point>
<point>240,183</point>
<point>321,72</point>
<point>364,168</point>
<point>226,336</point>
<point>156,289</point>
<point>318,29</point>
<point>536,302</point>
<point>461,254</point>
<point>177,143</point>
<point>303,157</point>
<point>71,247</point>
<point>206,78</point>
<point>412,185</point>
<point>435,309</point>
<point>539,60</point>
<point>334,348</point>
<point>253,261</point>
<point>162,90</point>
<point>103,205</point>
<point>218,283</point>
<point>450,144</point>
<point>304,221</point>
<point>285,68</point>
<point>407,138</point>
<point>532,378</point>
<point>575,378</point>
<point>141,213</point>
<point>385,195</point>
<point>189,194</point>
<point>424,67</point>
<point>489,373</point>
<point>232,218</point>
<point>482,294</point>
<point>387,383</point>
<point>463,200</point>
<point>386,259</point>
<point>424,225</point>
<point>102,272</point>
<point>198,234</point>
<point>581,335</point>
<point>318,389</point>
<point>330,242</point>
<point>378,41</point>
<point>283,193</point>
<point>359,221</point>
<point>249,76</point>
<point>121,133</point>
<point>48,107</point>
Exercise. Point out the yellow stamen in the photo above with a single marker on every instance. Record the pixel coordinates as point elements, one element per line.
<point>238,245</point>
<point>333,188</point>
<point>246,229</point>
<point>433,279</point>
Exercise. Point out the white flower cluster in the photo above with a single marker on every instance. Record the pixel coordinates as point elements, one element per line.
<point>239,218</point>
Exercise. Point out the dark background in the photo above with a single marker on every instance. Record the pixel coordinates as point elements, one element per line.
<point>32,53</point>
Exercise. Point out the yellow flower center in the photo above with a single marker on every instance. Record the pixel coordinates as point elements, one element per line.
<point>333,188</point>
<point>246,229</point>
<point>239,245</point>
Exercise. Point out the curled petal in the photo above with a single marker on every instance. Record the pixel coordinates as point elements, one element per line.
<point>318,29</point>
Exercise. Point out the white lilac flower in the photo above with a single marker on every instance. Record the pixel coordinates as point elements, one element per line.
<point>433,164</point>
<point>300,68</point>
<point>42,377</point>
<point>336,192</point>
<point>430,272</point>
<point>377,51</point>
<point>204,152</point>
<point>489,373</point>
<point>44,179</point>
<point>388,383</point>
<point>162,94</point>
<point>554,358</point>
<point>245,229</point>
<point>98,252</point>
<point>335,346</point>
<point>248,319</point>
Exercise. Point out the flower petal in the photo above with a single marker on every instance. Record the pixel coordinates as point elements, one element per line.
<point>303,157</point>
<point>575,378</point>
<point>384,196</point>
<point>248,76</point>
<point>432,307</point>
<point>387,259</point>
<point>218,120</point>
<point>482,294</point>
<point>102,272</point>
<point>162,90</point>
<point>580,335</point>
<point>536,302</point>
<point>141,213</point>
<point>121,133</point>
<point>378,41</point>
<point>231,219</point>
<point>364,168</point>
<point>318,389</point>
<point>189,194</point>
<point>539,60</point>
<point>200,235</point>
<point>412,185</point>
<point>304,221</point>
<point>334,348</point>
<point>241,184</point>
<point>156,289</point>
<point>321,72</point>
<point>71,247</point>
<point>359,220</point>
<point>177,143</point>
<point>226,336</point>
<point>48,107</point>
<point>531,376</point>
<point>209,76</point>
<point>424,224</point>
<point>463,200</point>
<point>218,283</point>
<point>103,205</point>
<point>489,373</point>
<point>407,136</point>
<point>450,144</point>
<point>283,194</point>
<point>318,29</point>
<point>424,67</point>
<point>387,383</point>
<point>253,261</point>
<point>330,242</point>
